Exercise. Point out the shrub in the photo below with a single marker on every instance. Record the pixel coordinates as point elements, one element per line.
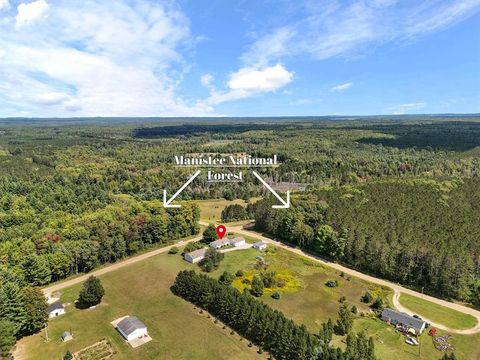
<point>367,298</point>
<point>354,309</point>
<point>239,273</point>
<point>226,278</point>
<point>173,250</point>
<point>377,304</point>
<point>332,283</point>
<point>342,299</point>
<point>276,295</point>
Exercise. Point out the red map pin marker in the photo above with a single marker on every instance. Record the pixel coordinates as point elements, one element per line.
<point>221,231</point>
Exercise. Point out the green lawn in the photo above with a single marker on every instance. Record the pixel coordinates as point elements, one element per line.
<point>142,289</point>
<point>437,313</point>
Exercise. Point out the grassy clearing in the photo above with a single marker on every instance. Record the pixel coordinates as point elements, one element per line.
<point>142,289</point>
<point>211,210</point>
<point>437,313</point>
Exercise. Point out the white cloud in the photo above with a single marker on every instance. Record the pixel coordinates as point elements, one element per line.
<point>206,79</point>
<point>341,87</point>
<point>250,81</point>
<point>404,108</point>
<point>120,58</point>
<point>30,12</point>
<point>4,5</point>
<point>335,28</point>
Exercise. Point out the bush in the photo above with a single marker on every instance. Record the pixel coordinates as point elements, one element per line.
<point>239,273</point>
<point>173,250</point>
<point>354,309</point>
<point>366,298</point>
<point>332,283</point>
<point>276,295</point>
<point>342,299</point>
<point>257,287</point>
<point>377,304</point>
<point>342,274</point>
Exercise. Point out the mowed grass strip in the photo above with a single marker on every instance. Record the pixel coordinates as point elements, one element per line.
<point>438,313</point>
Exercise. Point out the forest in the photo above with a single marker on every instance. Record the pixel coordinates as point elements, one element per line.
<point>396,197</point>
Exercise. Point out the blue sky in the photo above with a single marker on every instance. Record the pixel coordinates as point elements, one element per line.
<point>61,58</point>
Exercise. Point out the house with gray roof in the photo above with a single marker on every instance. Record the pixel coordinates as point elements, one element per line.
<point>195,256</point>
<point>217,244</point>
<point>401,319</point>
<point>238,241</point>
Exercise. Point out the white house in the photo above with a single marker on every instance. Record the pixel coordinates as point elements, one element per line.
<point>260,245</point>
<point>55,310</point>
<point>131,328</point>
<point>217,244</point>
<point>239,241</point>
<point>195,256</point>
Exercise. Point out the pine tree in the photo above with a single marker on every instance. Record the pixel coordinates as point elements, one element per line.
<point>68,355</point>
<point>257,287</point>
<point>7,338</point>
<point>92,292</point>
<point>12,305</point>
<point>345,321</point>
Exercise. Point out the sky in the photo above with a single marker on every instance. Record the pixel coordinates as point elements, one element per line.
<point>64,58</point>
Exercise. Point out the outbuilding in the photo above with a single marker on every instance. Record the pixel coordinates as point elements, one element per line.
<point>195,256</point>
<point>237,242</point>
<point>132,328</point>
<point>403,321</point>
<point>56,309</point>
<point>67,336</point>
<point>260,245</point>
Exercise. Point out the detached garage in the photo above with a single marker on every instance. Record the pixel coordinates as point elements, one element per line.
<point>131,328</point>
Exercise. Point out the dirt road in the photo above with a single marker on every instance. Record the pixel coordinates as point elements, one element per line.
<point>132,260</point>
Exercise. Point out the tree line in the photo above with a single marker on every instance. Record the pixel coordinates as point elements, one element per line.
<point>269,329</point>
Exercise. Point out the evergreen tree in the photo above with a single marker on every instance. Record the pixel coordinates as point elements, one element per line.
<point>344,321</point>
<point>226,278</point>
<point>7,338</point>
<point>257,286</point>
<point>37,270</point>
<point>12,305</point>
<point>68,355</point>
<point>92,292</point>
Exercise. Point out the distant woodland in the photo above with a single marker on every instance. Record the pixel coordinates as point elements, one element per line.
<point>397,198</point>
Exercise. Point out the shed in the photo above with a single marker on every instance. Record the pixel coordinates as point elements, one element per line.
<point>237,242</point>
<point>67,336</point>
<point>56,309</point>
<point>132,328</point>
<point>195,256</point>
<point>260,245</point>
<point>402,319</point>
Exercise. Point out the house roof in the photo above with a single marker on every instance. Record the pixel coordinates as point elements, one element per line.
<point>260,243</point>
<point>66,334</point>
<point>402,318</point>
<point>237,240</point>
<point>129,324</point>
<point>55,306</point>
<point>197,253</point>
<point>220,242</point>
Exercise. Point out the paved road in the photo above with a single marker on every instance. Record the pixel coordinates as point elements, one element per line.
<point>398,289</point>
<point>132,260</point>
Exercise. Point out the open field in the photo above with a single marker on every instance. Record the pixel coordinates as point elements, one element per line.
<point>437,313</point>
<point>142,289</point>
<point>211,210</point>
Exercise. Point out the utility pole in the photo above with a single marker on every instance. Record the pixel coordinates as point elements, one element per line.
<point>46,331</point>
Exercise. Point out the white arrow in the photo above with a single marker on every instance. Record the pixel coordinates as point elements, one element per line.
<point>167,203</point>
<point>286,204</point>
